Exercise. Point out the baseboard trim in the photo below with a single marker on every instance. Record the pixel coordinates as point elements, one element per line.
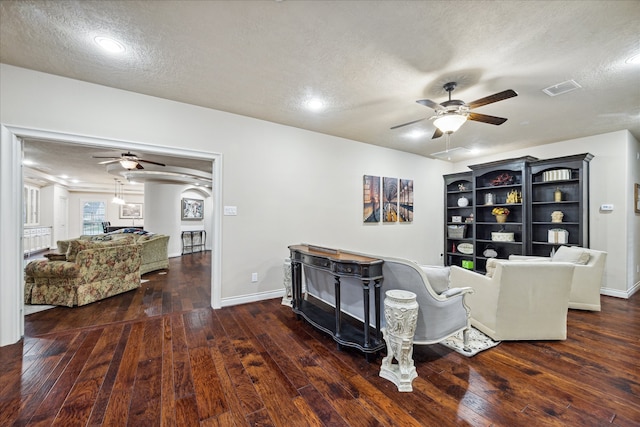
<point>620,294</point>
<point>244,299</point>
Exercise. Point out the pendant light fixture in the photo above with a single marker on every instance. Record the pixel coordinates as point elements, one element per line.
<point>117,196</point>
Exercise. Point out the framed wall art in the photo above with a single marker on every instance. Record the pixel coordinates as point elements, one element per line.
<point>389,199</point>
<point>192,208</point>
<point>405,200</point>
<point>371,198</point>
<point>131,211</point>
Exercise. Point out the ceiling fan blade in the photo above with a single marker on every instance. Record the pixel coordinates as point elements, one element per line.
<point>509,93</point>
<point>153,163</point>
<point>139,166</point>
<point>437,134</point>
<point>492,120</point>
<point>431,104</point>
<point>410,123</point>
<point>107,162</point>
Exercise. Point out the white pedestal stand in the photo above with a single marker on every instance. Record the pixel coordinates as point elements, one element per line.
<point>401,315</point>
<point>288,293</point>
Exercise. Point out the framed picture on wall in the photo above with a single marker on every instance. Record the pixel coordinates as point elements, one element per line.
<point>371,198</point>
<point>131,211</point>
<point>192,208</point>
<point>389,199</point>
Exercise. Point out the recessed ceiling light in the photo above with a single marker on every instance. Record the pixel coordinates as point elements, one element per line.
<point>27,162</point>
<point>109,44</point>
<point>634,59</point>
<point>315,104</point>
<point>64,176</point>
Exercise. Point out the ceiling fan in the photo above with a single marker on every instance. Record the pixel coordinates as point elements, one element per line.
<point>128,160</point>
<point>451,114</point>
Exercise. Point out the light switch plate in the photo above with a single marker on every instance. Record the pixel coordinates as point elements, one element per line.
<point>230,210</point>
<point>606,207</point>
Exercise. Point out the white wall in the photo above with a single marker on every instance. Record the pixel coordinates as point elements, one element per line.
<point>612,172</point>
<point>289,185</point>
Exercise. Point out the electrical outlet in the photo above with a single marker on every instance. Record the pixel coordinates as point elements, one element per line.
<point>254,277</point>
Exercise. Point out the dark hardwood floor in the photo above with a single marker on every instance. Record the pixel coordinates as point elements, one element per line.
<point>158,356</point>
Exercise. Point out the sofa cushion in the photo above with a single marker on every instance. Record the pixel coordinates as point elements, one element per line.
<point>45,268</point>
<point>101,238</point>
<point>438,277</point>
<point>570,254</point>
<point>76,246</point>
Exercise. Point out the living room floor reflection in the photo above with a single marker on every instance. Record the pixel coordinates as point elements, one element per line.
<point>185,286</point>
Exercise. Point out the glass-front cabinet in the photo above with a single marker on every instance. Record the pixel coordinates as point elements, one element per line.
<point>522,206</point>
<point>31,205</point>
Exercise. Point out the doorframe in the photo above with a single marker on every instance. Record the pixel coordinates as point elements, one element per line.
<point>11,226</point>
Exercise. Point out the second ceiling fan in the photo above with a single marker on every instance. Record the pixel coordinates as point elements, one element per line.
<point>127,160</point>
<point>451,114</point>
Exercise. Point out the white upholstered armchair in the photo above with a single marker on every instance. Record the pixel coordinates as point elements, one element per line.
<point>520,301</point>
<point>587,275</point>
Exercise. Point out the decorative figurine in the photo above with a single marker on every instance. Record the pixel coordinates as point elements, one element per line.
<point>556,216</point>
<point>514,197</point>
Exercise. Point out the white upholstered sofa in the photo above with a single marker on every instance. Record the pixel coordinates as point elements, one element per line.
<point>442,311</point>
<point>587,275</point>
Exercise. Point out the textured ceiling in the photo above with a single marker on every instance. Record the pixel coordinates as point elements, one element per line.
<point>370,61</point>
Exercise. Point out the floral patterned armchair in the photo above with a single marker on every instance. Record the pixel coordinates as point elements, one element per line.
<point>92,271</point>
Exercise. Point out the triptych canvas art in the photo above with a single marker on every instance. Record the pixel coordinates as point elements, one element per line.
<point>387,199</point>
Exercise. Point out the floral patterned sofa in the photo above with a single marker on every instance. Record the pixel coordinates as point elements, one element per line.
<point>154,251</point>
<point>91,271</point>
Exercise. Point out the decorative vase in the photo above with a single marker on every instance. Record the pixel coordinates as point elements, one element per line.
<point>501,218</point>
<point>557,195</point>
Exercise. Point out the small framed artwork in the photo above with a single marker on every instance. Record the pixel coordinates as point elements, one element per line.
<point>192,208</point>
<point>371,198</point>
<point>636,198</point>
<point>405,200</point>
<point>131,211</point>
<point>389,199</point>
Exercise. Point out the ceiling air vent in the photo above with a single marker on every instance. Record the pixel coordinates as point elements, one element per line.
<point>561,88</point>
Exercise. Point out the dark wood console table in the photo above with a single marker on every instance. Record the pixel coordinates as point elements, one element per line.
<point>340,264</point>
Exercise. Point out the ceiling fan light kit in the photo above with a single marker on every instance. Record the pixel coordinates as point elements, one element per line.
<point>450,122</point>
<point>128,164</point>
